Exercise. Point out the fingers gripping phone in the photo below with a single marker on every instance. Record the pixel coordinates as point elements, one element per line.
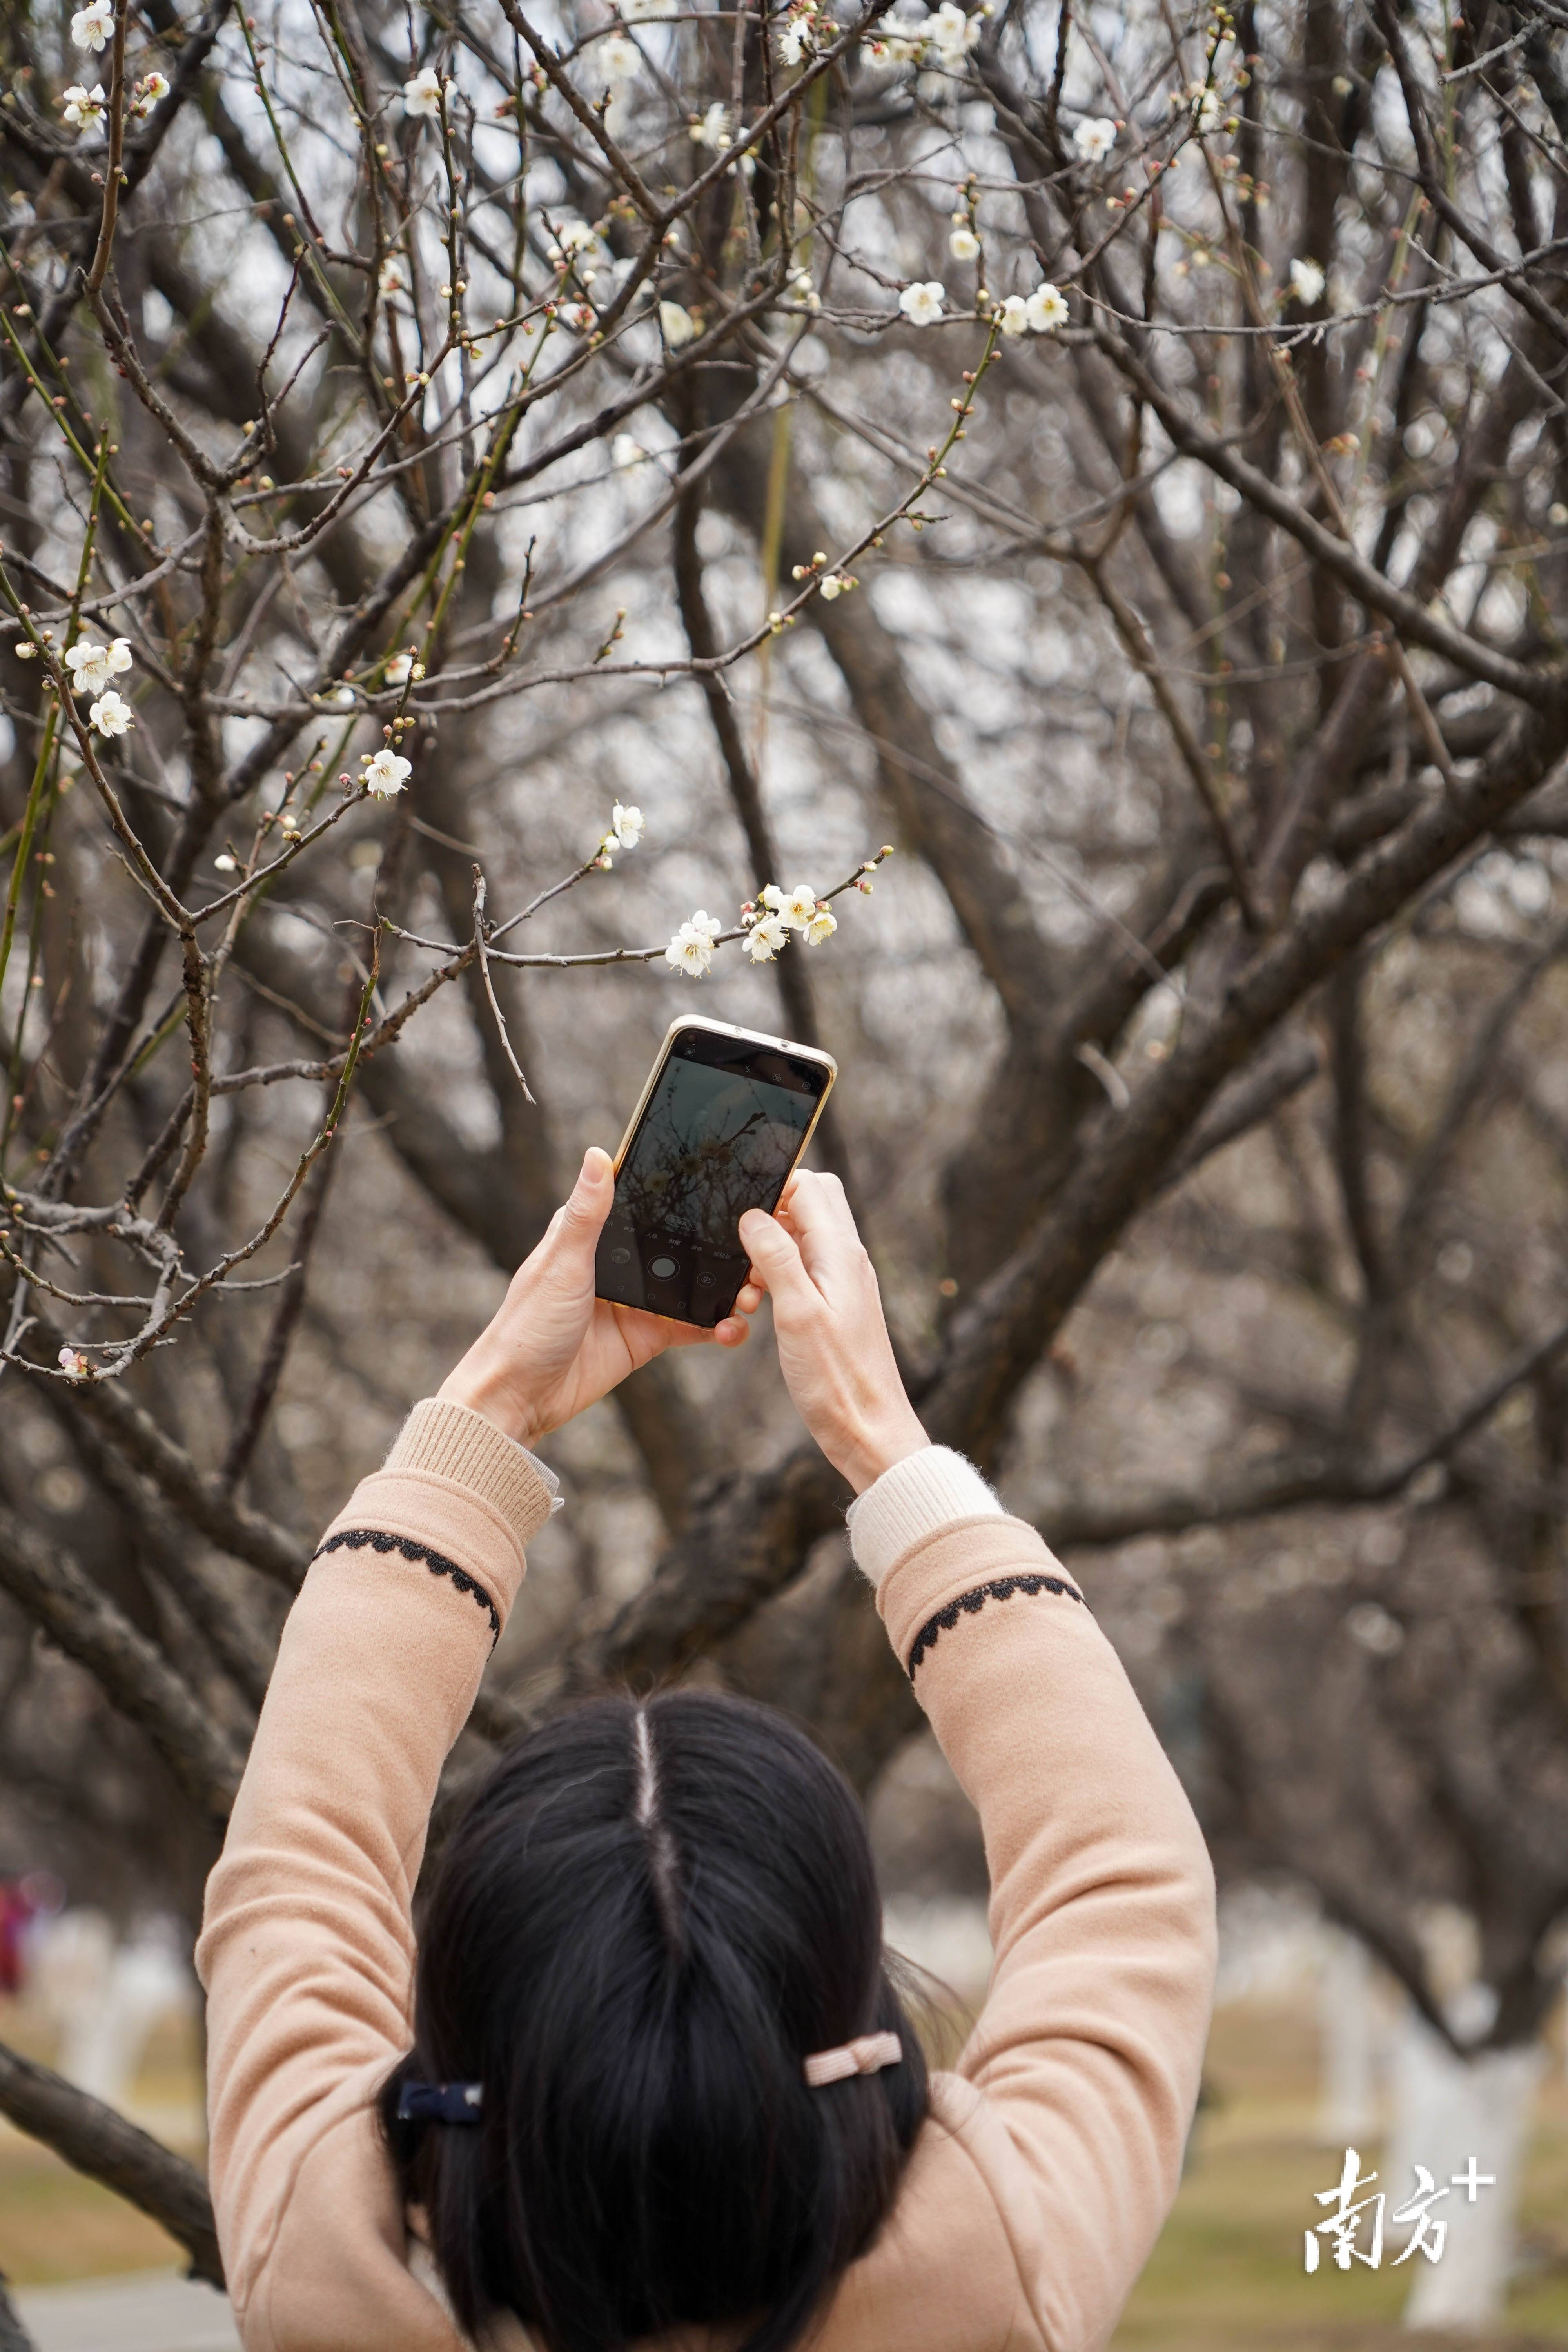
<point>723,1121</point>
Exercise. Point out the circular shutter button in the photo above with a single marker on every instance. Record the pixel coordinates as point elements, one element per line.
<point>663,1267</point>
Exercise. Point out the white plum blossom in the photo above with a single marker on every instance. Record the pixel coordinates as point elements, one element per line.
<point>922,303</point>
<point>713,130</point>
<point>799,908</point>
<point>803,291</point>
<point>390,279</point>
<point>618,59</point>
<point>821,927</point>
<point>111,714</point>
<point>1094,138</point>
<point>1014,316</point>
<point>573,236</point>
<point>1307,282</point>
<point>691,949</point>
<point>625,832</point>
<point>92,666</point>
<point>799,34</point>
<point>84,108</point>
<point>953,33</point>
<point>675,324</point>
<point>765,938</point>
<point>771,897</point>
<point>398,668</point>
<point>625,450</point>
<point>574,245</point>
<point>836,585</point>
<point>1045,310</point>
<point>896,42</point>
<point>386,773</point>
<point>224,864</point>
<point>72,1364</point>
<point>92,28</point>
<point>422,97</point>
<point>150,90</point>
<point>963,244</point>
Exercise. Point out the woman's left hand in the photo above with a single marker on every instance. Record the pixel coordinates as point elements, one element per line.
<point>554,1348</point>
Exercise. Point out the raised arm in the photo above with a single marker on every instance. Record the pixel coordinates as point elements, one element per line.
<point>1078,2086</point>
<point>307,1952</point>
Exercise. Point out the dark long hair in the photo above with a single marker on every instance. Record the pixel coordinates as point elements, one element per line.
<point>648,1918</point>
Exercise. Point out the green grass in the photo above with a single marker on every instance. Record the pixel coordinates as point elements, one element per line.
<point>1226,2273</point>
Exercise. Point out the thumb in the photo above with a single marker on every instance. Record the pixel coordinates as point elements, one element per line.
<point>581,1217</point>
<point>778,1260</point>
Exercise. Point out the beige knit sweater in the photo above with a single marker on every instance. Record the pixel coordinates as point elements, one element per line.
<point>1051,2154</point>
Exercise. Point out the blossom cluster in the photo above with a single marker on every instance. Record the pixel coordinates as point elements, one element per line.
<point>626,831</point>
<point>797,37</point>
<point>1039,313</point>
<point>91,665</point>
<point>1210,103</point>
<point>944,38</point>
<point>834,585</point>
<point>767,922</point>
<point>92,30</point>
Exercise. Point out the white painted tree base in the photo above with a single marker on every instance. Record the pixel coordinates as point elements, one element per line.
<point>1348,2029</point>
<point>1448,2110</point>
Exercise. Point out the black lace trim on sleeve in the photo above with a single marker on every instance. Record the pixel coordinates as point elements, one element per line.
<point>374,1539</point>
<point>968,1604</point>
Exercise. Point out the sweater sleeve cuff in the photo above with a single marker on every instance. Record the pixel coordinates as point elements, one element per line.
<point>450,1442</point>
<point>916,1499</point>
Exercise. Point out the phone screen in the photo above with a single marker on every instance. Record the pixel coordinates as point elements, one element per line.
<point>719,1135</point>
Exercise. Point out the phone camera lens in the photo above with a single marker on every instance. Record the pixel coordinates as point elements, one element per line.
<point>620,1256</point>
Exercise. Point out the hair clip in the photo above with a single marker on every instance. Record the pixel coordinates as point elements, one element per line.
<point>867,2055</point>
<point>440,2103</point>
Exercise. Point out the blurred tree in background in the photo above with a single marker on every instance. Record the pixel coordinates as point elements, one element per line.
<point>1118,455</point>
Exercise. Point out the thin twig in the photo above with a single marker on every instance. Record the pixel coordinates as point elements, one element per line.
<point>482,950</point>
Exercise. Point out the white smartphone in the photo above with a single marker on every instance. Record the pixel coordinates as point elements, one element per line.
<point>719,1130</point>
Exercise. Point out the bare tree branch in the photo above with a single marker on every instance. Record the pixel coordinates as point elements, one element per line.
<point>96,2141</point>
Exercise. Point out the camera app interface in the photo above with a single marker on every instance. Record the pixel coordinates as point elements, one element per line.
<point>717,1137</point>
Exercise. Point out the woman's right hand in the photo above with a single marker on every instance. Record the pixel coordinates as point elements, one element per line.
<point>833,1340</point>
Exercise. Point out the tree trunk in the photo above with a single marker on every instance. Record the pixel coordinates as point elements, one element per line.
<point>1448,2110</point>
<point>1348,2028</point>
